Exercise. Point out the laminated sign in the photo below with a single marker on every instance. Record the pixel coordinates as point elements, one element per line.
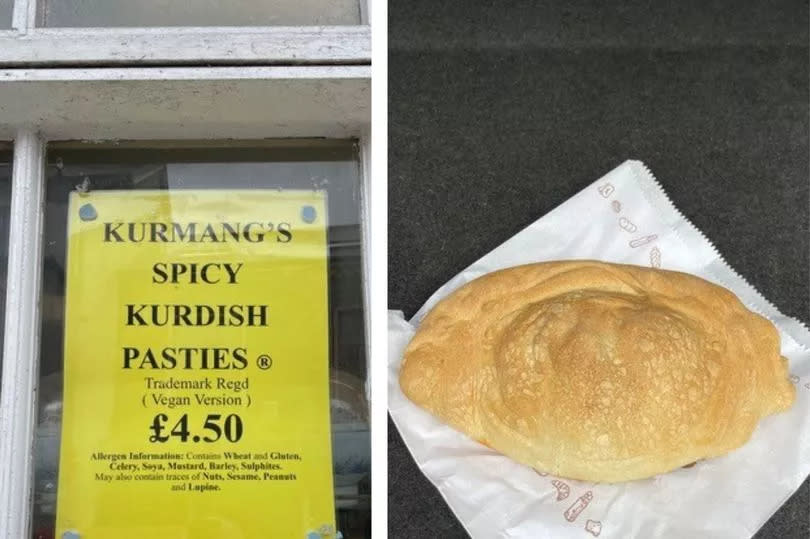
<point>196,385</point>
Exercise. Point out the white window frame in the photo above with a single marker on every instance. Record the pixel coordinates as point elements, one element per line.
<point>319,45</point>
<point>149,84</point>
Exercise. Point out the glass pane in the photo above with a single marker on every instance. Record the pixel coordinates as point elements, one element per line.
<point>88,368</point>
<point>106,13</point>
<point>5,204</point>
<point>5,13</point>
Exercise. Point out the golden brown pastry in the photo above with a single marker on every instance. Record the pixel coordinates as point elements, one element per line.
<point>596,371</point>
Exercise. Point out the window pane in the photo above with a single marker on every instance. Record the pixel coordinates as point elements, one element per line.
<point>106,13</point>
<point>5,13</point>
<point>5,203</point>
<point>74,364</point>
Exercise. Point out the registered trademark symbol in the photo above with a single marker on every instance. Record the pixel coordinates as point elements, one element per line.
<point>264,362</point>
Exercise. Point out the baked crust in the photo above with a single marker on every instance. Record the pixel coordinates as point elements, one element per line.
<point>597,371</point>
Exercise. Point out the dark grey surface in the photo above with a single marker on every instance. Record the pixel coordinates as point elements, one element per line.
<point>500,113</point>
<point>476,24</point>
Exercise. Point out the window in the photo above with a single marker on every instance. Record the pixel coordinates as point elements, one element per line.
<point>5,201</point>
<point>250,75</point>
<point>107,13</point>
<point>5,13</point>
<point>329,165</point>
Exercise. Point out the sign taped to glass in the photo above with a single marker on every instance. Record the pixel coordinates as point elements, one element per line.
<point>196,385</point>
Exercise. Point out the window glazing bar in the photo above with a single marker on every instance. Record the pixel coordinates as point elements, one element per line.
<point>21,347</point>
<point>24,16</point>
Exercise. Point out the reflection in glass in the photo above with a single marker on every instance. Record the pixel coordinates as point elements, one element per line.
<point>6,6</point>
<point>5,203</point>
<point>151,13</point>
<point>329,165</point>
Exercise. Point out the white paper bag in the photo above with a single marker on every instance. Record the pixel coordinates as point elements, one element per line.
<point>623,217</point>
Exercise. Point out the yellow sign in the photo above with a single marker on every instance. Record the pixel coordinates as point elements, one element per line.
<point>196,385</point>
